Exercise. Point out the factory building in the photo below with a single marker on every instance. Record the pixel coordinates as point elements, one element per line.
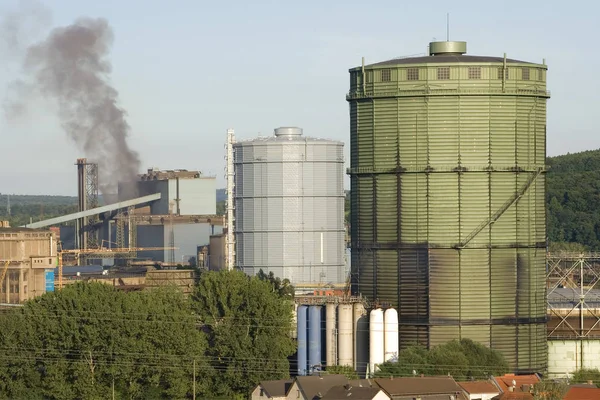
<point>448,183</point>
<point>27,261</point>
<point>184,217</point>
<point>289,207</point>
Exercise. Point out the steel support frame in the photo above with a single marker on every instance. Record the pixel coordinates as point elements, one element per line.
<point>571,270</point>
<point>87,193</point>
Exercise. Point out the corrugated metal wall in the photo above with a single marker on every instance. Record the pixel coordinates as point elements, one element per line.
<point>428,174</point>
<point>289,208</point>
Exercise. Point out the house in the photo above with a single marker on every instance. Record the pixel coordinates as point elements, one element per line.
<point>479,390</point>
<point>275,390</point>
<point>314,387</point>
<point>582,393</point>
<point>516,383</point>
<point>423,388</point>
<point>355,393</point>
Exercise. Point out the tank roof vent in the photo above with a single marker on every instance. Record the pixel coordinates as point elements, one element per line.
<point>447,48</point>
<point>288,131</point>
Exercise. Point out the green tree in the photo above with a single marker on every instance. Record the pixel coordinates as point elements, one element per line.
<point>345,370</point>
<point>549,390</point>
<point>78,342</point>
<point>283,287</point>
<point>462,359</point>
<point>586,374</point>
<point>248,326</point>
<point>411,360</point>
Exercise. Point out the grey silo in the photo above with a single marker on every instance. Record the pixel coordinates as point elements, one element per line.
<point>289,207</point>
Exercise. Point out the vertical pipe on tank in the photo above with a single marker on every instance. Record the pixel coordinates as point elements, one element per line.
<point>330,342</point>
<point>390,332</point>
<point>302,350</point>
<point>361,339</point>
<point>376,349</point>
<point>314,338</point>
<point>345,337</point>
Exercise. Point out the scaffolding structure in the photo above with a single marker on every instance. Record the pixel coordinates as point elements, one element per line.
<point>572,293</point>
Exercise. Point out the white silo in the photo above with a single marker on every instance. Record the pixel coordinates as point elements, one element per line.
<point>390,334</point>
<point>345,337</point>
<point>289,207</point>
<point>330,337</point>
<point>376,339</point>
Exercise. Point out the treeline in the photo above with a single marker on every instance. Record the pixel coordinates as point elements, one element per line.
<point>573,201</point>
<point>26,208</point>
<point>91,340</point>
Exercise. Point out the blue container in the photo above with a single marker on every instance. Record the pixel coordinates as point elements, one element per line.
<point>49,280</point>
<point>302,350</point>
<point>314,338</point>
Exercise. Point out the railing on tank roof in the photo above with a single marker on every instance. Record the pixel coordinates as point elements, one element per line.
<point>447,92</point>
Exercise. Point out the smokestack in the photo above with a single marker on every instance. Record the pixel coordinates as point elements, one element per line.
<point>71,69</point>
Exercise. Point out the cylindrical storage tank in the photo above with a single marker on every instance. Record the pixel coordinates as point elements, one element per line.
<point>302,340</point>
<point>314,338</point>
<point>289,207</point>
<point>330,336</point>
<point>361,339</point>
<point>376,339</point>
<point>390,334</point>
<point>345,337</point>
<point>448,204</point>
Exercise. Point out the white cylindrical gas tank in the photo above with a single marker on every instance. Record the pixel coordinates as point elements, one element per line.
<point>376,337</point>
<point>390,334</point>
<point>345,337</point>
<point>330,340</point>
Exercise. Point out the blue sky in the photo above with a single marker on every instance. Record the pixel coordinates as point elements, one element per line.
<point>188,70</point>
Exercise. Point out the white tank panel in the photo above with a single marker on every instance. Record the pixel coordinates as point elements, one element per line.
<point>376,338</point>
<point>345,336</point>
<point>390,334</point>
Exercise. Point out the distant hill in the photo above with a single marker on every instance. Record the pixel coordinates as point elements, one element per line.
<point>573,199</point>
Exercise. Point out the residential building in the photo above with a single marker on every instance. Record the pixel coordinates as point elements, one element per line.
<point>314,387</point>
<point>516,383</point>
<point>479,390</point>
<point>272,390</point>
<point>355,393</point>
<point>425,388</point>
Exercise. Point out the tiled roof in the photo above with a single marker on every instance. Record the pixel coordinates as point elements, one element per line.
<point>351,392</point>
<point>311,386</point>
<point>479,387</point>
<point>514,396</point>
<point>276,388</point>
<point>505,381</point>
<point>582,393</point>
<point>418,385</point>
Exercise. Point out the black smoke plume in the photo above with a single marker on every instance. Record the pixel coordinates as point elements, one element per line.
<point>71,69</point>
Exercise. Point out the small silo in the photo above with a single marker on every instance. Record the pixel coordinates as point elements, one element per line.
<point>376,339</point>
<point>302,356</point>
<point>314,338</point>
<point>345,337</point>
<point>361,339</point>
<point>330,336</point>
<point>289,207</point>
<point>390,334</point>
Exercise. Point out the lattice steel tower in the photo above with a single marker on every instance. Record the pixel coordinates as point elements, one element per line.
<point>448,212</point>
<point>87,193</point>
